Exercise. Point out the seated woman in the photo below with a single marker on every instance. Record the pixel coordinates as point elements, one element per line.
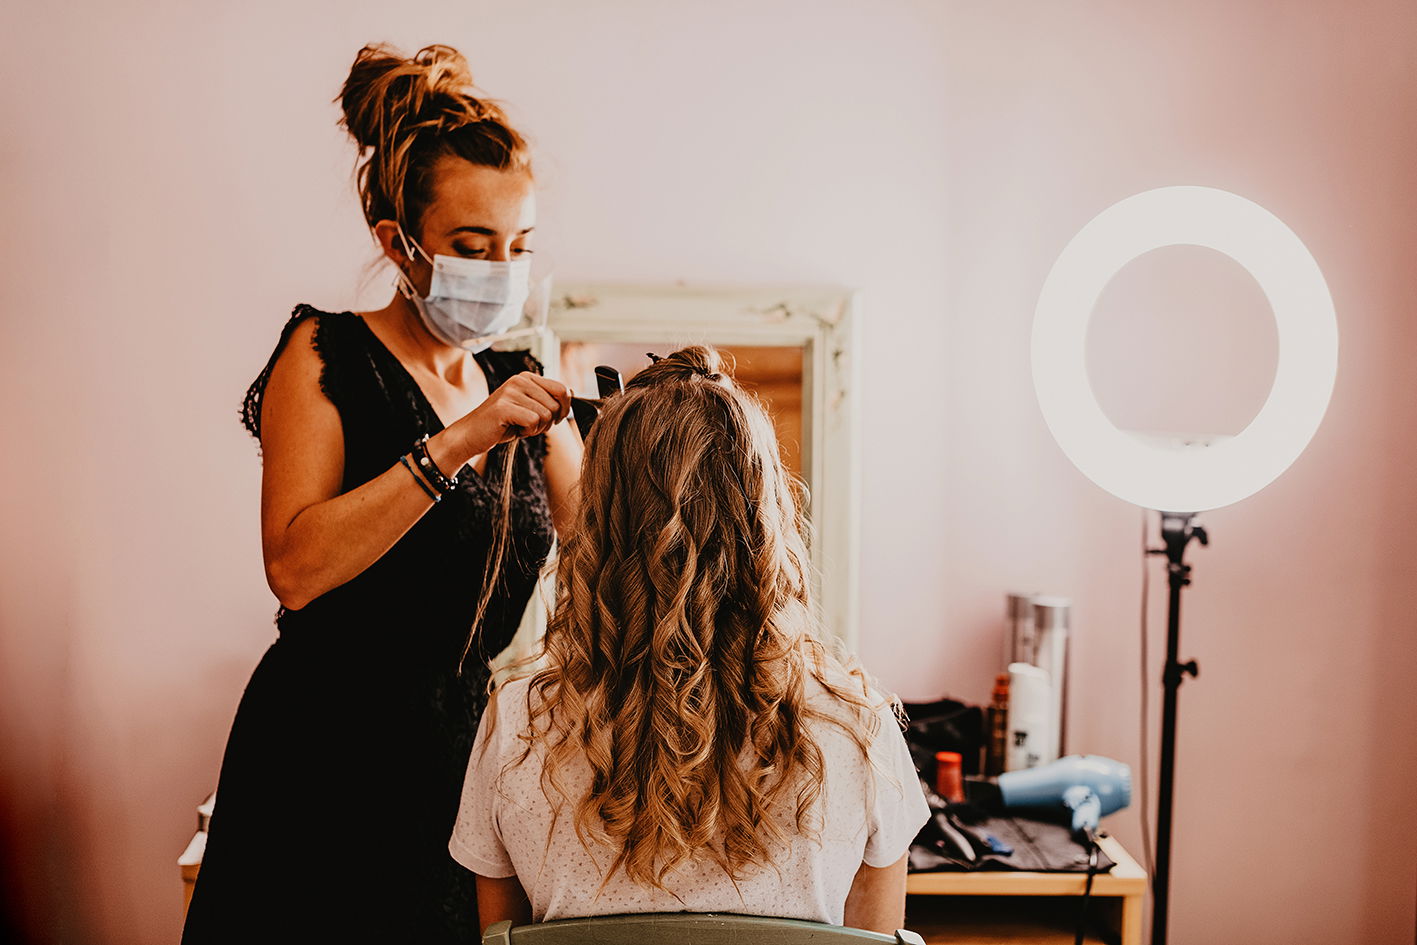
<point>688,742</point>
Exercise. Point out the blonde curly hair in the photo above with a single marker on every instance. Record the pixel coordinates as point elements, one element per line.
<point>677,657</point>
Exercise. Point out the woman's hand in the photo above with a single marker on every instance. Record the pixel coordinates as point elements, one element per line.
<point>524,405</point>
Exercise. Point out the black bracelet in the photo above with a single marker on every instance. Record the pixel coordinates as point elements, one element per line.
<point>419,479</point>
<point>442,483</point>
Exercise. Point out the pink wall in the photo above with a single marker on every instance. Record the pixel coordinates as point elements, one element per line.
<point>1301,611</point>
<point>178,184</point>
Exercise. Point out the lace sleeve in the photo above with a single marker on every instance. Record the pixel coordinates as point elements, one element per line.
<point>255,394</point>
<point>515,361</point>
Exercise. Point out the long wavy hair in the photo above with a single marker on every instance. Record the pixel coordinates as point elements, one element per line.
<point>677,658</point>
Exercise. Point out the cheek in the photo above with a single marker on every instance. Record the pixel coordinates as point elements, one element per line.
<point>419,273</point>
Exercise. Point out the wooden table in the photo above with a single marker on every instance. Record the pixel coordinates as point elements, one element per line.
<point>986,908</point>
<point>992,908</point>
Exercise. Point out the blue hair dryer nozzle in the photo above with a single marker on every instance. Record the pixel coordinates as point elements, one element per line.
<point>1090,786</point>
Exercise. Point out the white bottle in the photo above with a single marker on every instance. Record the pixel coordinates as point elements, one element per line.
<point>1030,712</point>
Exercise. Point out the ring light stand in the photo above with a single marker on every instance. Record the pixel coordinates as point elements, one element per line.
<point>1177,530</point>
<point>1181,479</point>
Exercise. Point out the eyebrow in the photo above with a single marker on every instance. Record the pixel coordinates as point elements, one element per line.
<point>484,230</point>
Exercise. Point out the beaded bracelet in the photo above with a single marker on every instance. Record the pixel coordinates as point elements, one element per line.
<point>419,479</point>
<point>442,483</point>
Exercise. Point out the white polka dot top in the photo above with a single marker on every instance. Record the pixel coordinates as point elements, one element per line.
<point>867,814</point>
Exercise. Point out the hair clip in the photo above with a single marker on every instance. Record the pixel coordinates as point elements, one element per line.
<point>654,358</point>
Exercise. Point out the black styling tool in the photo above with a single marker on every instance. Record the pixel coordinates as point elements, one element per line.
<point>585,409</point>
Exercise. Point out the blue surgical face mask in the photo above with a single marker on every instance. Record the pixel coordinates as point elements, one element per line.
<point>469,301</point>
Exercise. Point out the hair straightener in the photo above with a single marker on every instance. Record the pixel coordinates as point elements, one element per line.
<point>586,409</point>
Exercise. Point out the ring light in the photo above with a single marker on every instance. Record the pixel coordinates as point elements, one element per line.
<point>1176,479</point>
<point>1186,478</point>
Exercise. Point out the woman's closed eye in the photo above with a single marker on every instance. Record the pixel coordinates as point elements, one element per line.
<point>470,252</point>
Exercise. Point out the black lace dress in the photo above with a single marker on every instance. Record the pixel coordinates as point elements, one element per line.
<point>343,770</point>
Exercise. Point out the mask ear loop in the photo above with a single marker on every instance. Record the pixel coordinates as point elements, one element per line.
<point>401,281</point>
<point>410,244</point>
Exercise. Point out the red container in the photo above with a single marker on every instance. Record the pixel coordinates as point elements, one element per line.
<point>949,776</point>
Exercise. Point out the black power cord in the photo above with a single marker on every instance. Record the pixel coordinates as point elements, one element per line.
<point>1092,854</point>
<point>1142,780</point>
<point>1144,765</point>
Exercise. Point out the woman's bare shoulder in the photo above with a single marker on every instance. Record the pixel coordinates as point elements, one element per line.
<point>299,367</point>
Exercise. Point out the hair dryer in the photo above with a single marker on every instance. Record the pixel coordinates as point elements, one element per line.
<point>1090,786</point>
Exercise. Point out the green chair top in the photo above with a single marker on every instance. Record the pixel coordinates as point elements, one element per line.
<point>687,928</point>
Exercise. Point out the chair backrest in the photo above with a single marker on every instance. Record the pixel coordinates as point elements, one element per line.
<point>686,928</point>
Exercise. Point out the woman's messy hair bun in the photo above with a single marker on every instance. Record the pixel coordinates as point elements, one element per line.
<point>405,113</point>
<point>386,94</point>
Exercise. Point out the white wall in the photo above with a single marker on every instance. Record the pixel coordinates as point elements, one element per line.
<point>178,183</point>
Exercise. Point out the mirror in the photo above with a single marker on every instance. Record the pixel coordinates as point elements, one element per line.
<point>774,374</point>
<point>792,346</point>
<point>1153,358</point>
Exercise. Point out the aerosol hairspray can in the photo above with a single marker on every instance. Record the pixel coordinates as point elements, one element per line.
<point>1050,622</point>
<point>1019,640</point>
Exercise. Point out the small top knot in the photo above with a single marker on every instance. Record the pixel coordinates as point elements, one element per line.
<point>683,365</point>
<point>693,367</point>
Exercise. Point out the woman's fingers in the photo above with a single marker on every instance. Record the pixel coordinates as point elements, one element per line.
<point>538,415</point>
<point>543,398</point>
<point>522,419</point>
<point>529,404</point>
<point>551,392</point>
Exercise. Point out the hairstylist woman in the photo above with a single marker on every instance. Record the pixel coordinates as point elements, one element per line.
<point>395,444</point>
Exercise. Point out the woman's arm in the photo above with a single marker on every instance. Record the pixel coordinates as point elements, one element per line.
<point>564,450</point>
<point>876,901</point>
<point>502,899</point>
<point>315,539</point>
